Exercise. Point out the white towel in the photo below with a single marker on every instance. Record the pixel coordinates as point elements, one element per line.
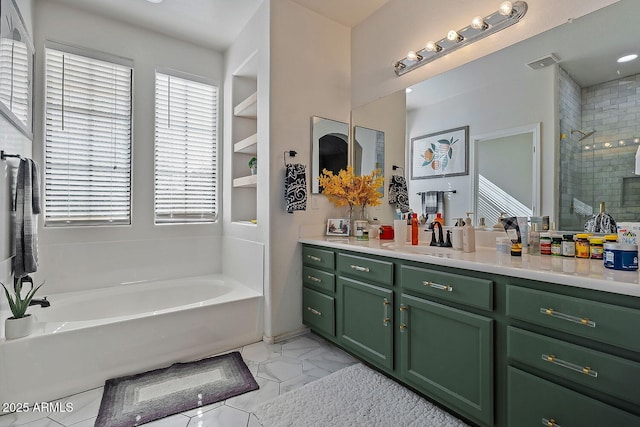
<point>26,206</point>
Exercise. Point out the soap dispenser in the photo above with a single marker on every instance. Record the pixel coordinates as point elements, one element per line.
<point>456,240</point>
<point>468,235</point>
<point>499,225</point>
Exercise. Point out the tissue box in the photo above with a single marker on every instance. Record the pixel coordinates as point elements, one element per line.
<point>628,233</point>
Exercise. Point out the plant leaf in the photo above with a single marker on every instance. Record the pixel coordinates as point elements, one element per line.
<point>450,152</point>
<point>443,141</point>
<point>445,161</point>
<point>433,146</point>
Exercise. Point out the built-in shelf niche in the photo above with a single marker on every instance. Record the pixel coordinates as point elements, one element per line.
<point>249,145</point>
<point>248,107</point>
<point>246,181</point>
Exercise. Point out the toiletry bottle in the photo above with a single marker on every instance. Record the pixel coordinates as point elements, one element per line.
<point>468,235</point>
<point>457,238</point>
<point>534,240</point>
<point>439,219</point>
<point>414,229</point>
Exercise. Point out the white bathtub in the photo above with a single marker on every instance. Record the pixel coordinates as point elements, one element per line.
<point>87,337</point>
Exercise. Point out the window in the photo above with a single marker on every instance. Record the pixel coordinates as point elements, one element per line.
<point>185,150</point>
<point>87,138</point>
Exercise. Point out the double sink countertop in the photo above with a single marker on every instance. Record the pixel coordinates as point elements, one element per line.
<point>577,272</point>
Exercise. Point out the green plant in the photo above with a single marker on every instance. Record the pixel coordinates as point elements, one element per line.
<point>253,162</point>
<point>17,304</point>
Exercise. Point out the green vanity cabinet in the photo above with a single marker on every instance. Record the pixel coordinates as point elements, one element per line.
<point>448,353</point>
<point>365,321</point>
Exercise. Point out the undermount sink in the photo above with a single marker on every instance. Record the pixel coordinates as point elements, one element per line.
<point>418,249</point>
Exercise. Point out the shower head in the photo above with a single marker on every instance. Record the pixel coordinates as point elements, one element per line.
<point>584,135</point>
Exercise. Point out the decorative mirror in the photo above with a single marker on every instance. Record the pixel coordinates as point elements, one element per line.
<point>16,68</point>
<point>368,150</point>
<point>329,148</point>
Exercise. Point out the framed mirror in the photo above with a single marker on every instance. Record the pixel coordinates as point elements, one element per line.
<point>368,150</point>
<point>16,68</point>
<point>506,173</point>
<point>329,148</point>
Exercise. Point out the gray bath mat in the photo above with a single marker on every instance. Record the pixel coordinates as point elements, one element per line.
<point>137,399</point>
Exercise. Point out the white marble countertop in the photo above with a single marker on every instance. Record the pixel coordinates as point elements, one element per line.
<point>578,272</point>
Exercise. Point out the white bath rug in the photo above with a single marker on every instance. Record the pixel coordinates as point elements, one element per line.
<point>353,396</point>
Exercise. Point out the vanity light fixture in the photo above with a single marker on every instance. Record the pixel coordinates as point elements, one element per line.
<point>507,15</point>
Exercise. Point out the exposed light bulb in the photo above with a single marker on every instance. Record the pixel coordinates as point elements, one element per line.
<point>505,8</point>
<point>621,142</point>
<point>586,147</point>
<point>454,36</point>
<point>607,144</point>
<point>432,47</point>
<point>413,56</point>
<point>478,23</point>
<point>636,140</point>
<point>628,58</point>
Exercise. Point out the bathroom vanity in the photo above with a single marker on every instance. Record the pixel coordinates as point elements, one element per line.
<point>498,340</point>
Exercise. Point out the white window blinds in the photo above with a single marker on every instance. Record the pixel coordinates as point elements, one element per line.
<point>185,150</point>
<point>87,140</point>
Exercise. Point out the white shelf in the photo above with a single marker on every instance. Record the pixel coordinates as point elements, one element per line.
<point>247,146</point>
<point>248,107</point>
<point>249,223</point>
<point>246,181</point>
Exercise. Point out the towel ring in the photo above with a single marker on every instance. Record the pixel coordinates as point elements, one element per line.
<point>394,167</point>
<point>291,153</point>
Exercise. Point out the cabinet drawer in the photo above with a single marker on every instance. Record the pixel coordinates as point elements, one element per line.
<point>602,322</point>
<point>600,371</point>
<point>372,270</point>
<point>318,258</point>
<point>533,401</point>
<point>318,279</point>
<point>451,287</point>
<point>318,311</point>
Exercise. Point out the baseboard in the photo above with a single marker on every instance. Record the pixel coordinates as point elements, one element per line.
<point>285,336</point>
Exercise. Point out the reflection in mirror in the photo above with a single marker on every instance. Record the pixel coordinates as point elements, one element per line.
<point>587,89</point>
<point>507,186</point>
<point>16,64</point>
<point>329,148</point>
<point>368,150</point>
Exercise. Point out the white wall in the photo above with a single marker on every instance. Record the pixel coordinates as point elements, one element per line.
<point>77,258</point>
<point>310,76</point>
<point>403,25</point>
<point>510,95</point>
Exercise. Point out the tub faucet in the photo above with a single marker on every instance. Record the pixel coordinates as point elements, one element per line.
<point>42,302</point>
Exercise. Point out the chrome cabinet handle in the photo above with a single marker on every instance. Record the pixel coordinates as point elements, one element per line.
<point>314,279</point>
<point>550,423</point>
<point>385,318</point>
<point>446,288</point>
<point>314,258</point>
<point>359,268</point>
<point>574,319</point>
<point>572,366</point>
<point>314,311</point>
<point>403,324</point>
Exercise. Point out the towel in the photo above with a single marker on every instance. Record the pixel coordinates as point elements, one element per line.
<point>295,187</point>
<point>26,206</point>
<point>430,201</point>
<point>398,194</point>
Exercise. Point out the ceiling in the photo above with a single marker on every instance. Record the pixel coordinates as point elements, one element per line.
<point>213,24</point>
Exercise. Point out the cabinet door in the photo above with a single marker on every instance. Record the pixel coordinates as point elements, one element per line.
<point>448,354</point>
<point>365,321</point>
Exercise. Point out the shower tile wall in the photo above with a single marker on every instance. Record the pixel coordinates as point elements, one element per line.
<point>612,109</point>
<point>570,153</point>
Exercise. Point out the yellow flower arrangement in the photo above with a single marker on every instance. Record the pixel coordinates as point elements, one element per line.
<point>347,189</point>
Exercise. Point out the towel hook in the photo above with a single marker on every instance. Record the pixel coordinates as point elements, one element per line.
<point>394,167</point>
<point>291,153</point>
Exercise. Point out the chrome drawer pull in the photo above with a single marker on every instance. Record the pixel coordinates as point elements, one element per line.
<point>438,286</point>
<point>385,318</point>
<point>550,423</point>
<point>314,279</point>
<point>577,368</point>
<point>314,258</point>
<point>579,320</point>
<point>359,268</point>
<point>314,311</point>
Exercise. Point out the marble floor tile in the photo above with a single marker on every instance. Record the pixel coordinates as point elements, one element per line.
<point>42,422</point>
<point>202,410</point>
<point>260,351</point>
<point>300,347</point>
<point>253,421</point>
<point>224,416</point>
<point>249,401</point>
<point>21,418</point>
<point>280,369</point>
<point>294,383</point>
<point>83,406</point>
<point>178,420</point>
